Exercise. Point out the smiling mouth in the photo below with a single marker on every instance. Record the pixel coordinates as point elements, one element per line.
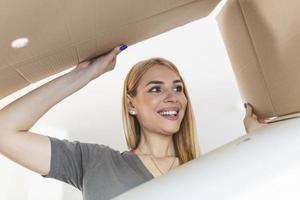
<point>170,115</point>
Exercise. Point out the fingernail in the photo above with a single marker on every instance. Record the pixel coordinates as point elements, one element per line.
<point>245,105</point>
<point>123,47</point>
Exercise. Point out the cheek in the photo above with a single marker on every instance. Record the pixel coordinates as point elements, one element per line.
<point>148,105</point>
<point>147,112</point>
<point>183,101</point>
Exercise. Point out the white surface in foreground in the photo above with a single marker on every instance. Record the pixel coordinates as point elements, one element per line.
<point>262,165</point>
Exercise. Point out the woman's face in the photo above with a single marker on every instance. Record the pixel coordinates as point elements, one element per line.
<point>160,101</point>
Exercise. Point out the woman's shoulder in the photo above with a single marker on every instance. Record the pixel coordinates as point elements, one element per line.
<point>88,150</point>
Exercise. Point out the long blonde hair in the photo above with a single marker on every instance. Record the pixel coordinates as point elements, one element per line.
<point>185,140</point>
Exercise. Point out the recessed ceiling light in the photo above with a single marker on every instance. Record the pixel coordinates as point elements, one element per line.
<point>19,43</point>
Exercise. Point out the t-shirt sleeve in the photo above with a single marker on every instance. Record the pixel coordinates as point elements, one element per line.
<point>70,160</point>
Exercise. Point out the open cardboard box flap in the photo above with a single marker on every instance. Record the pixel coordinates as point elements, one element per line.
<point>263,43</point>
<point>64,33</point>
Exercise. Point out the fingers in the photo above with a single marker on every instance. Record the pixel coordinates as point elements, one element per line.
<point>117,50</point>
<point>261,121</point>
<point>254,116</point>
<point>123,47</point>
<point>250,113</point>
<point>109,56</point>
<point>249,109</point>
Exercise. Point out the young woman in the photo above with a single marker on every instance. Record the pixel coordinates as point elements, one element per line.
<point>158,121</point>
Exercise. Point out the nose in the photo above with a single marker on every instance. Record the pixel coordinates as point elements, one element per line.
<point>170,96</point>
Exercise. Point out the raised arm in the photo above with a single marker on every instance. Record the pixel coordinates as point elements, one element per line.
<point>33,150</point>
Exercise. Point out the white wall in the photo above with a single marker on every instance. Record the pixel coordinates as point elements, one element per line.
<point>93,114</point>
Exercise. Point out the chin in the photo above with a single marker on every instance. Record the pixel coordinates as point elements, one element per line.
<point>170,131</point>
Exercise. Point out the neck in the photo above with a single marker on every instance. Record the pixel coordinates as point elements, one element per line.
<point>155,144</point>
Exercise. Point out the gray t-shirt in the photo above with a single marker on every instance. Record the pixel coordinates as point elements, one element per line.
<point>99,171</point>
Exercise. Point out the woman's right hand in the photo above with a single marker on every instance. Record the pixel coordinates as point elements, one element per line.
<point>101,64</point>
<point>251,121</point>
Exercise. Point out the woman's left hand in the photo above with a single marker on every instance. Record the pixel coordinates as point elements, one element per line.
<point>101,64</point>
<point>250,121</point>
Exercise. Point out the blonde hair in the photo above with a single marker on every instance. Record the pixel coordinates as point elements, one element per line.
<point>185,140</point>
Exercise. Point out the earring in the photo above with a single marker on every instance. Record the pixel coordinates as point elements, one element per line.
<point>132,112</point>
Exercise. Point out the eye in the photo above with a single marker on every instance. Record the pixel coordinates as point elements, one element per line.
<point>155,89</point>
<point>179,88</point>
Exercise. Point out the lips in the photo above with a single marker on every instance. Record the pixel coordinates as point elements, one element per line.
<point>169,109</point>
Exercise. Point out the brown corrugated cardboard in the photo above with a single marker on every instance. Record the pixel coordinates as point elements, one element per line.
<point>63,33</point>
<point>262,39</point>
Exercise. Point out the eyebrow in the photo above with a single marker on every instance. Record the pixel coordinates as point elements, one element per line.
<point>161,82</point>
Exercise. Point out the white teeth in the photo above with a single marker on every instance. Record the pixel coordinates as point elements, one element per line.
<point>168,113</point>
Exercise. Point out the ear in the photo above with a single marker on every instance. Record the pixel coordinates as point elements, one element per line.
<point>130,105</point>
<point>130,102</point>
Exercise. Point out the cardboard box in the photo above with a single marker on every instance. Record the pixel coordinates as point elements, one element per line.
<point>63,33</point>
<point>263,42</point>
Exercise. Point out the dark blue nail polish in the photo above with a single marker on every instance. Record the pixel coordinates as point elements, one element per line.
<point>123,47</point>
